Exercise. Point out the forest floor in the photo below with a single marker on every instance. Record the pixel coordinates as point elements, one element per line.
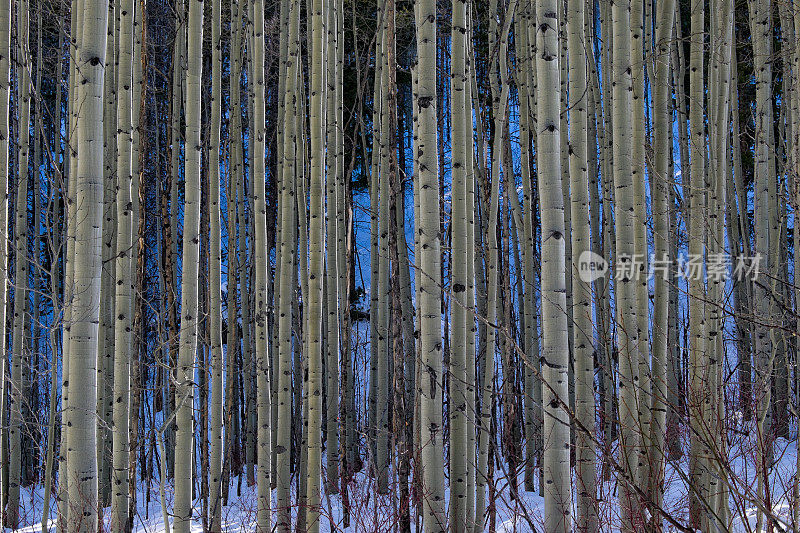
<point>370,513</point>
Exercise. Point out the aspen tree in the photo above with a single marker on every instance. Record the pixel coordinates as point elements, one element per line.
<point>719,115</point>
<point>765,195</point>
<point>582,292</point>
<point>261,279</point>
<point>698,355</point>
<point>430,387</point>
<point>214,323</point>
<point>346,259</point>
<point>332,248</point>
<point>291,151</point>
<point>660,185</point>
<point>316,269</point>
<point>459,455</point>
<point>76,21</point>
<point>375,232</point>
<point>626,306</point>
<point>137,195</point>
<point>643,387</point>
<point>124,285</point>
<point>470,326</point>
<point>81,453</point>
<point>184,475</point>
<point>105,355</point>
<point>415,128</point>
<point>563,130</point>
<point>19,358</point>
<point>558,500</point>
<point>283,74</point>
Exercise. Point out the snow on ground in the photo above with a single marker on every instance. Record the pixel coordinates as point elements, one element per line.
<point>372,513</point>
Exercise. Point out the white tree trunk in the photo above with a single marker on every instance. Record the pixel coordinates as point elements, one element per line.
<point>587,519</point>
<point>124,286</point>
<point>83,335</point>
<point>555,342</point>
<point>430,386</point>
<point>184,435</point>
<point>215,275</point>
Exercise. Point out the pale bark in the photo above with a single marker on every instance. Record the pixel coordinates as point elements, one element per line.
<point>333,225</point>
<point>214,323</point>
<point>287,253</point>
<point>660,186</point>
<point>470,324</point>
<point>124,286</point>
<point>643,388</point>
<point>385,169</point>
<point>69,166</point>
<point>5,112</point>
<point>698,355</point>
<point>459,427</point>
<point>262,280</point>
<point>184,472</point>
<point>20,355</point>
<point>375,253</point>
<point>719,115</point>
<point>316,268</point>
<point>625,287</point>
<point>765,196</point>
<point>105,354</point>
<point>81,452</point>
<point>555,342</point>
<point>587,519</point>
<point>427,177</point>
